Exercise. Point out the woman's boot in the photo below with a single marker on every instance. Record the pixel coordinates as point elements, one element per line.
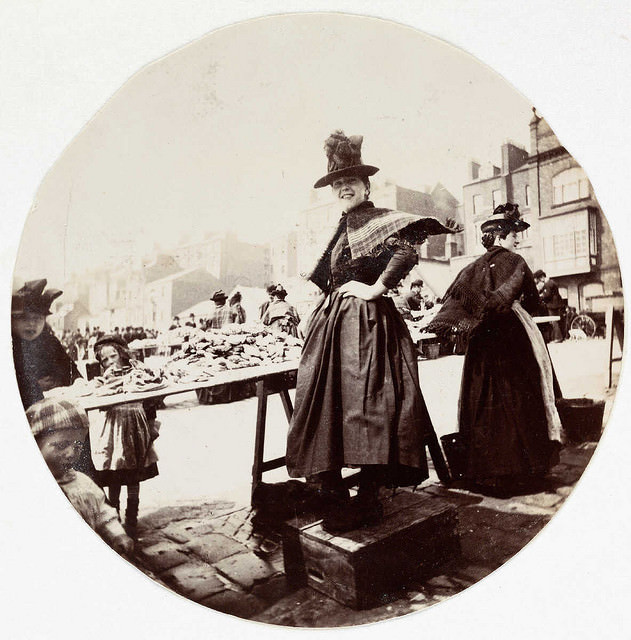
<point>361,511</point>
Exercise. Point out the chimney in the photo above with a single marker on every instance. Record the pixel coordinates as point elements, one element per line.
<point>534,132</point>
<point>474,170</point>
<point>513,157</point>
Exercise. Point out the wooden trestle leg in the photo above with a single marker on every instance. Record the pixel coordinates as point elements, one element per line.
<point>276,384</point>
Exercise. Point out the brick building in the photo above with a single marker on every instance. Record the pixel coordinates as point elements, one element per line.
<point>228,259</point>
<point>170,296</point>
<point>569,237</point>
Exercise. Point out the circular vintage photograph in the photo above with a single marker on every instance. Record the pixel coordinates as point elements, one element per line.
<point>317,322</point>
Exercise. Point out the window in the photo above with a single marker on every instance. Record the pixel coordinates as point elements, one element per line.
<point>580,242</point>
<point>570,245</point>
<point>523,236</point>
<point>569,185</point>
<point>497,198</point>
<point>527,196</point>
<point>593,234</point>
<point>563,245</point>
<point>478,205</point>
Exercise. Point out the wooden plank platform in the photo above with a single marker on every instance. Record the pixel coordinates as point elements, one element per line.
<point>362,568</point>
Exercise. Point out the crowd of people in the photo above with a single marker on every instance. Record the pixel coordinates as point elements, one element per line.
<point>80,345</point>
<point>275,312</point>
<point>358,399</point>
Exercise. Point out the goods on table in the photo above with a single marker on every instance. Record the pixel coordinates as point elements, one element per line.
<point>206,354</point>
<point>114,381</point>
<point>145,343</point>
<point>417,327</point>
<point>232,347</point>
<point>127,380</point>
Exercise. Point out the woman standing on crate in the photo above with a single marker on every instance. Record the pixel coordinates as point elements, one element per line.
<point>358,401</point>
<point>510,430</point>
<point>123,451</point>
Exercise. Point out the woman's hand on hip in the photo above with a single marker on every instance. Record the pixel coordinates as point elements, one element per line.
<point>362,291</point>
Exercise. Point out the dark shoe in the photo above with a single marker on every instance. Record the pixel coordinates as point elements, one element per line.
<point>131,519</point>
<point>332,497</point>
<point>354,514</point>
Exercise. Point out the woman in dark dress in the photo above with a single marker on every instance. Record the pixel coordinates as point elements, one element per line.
<point>358,400</point>
<point>509,425</point>
<point>41,362</point>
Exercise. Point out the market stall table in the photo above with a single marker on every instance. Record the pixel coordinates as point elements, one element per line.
<point>269,379</point>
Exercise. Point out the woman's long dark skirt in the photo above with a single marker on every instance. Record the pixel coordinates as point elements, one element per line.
<point>358,400</point>
<point>502,416</point>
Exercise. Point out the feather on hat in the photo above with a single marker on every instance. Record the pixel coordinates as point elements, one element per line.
<point>344,155</point>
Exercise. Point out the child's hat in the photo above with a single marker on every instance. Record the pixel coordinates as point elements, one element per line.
<point>110,338</point>
<point>54,415</point>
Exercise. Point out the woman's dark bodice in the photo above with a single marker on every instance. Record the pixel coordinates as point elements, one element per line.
<point>392,260</point>
<point>44,356</point>
<point>510,274</point>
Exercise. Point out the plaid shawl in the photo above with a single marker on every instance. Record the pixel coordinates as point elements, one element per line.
<point>367,227</point>
<point>221,316</point>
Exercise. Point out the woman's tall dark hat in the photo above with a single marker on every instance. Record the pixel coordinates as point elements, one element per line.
<point>344,159</point>
<point>33,298</point>
<point>505,216</point>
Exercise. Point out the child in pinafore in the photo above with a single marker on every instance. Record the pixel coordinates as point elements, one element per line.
<point>60,428</point>
<point>123,451</point>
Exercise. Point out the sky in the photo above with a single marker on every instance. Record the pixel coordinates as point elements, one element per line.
<point>227,134</point>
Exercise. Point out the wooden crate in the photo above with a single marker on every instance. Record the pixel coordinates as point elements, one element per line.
<point>363,568</point>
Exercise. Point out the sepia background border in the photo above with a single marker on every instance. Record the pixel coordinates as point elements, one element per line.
<point>572,579</point>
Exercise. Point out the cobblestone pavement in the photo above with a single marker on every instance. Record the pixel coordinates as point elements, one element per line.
<point>198,537</point>
<point>212,553</point>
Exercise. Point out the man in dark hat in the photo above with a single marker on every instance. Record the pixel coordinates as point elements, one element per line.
<point>221,313</point>
<point>414,298</point>
<point>551,298</point>
<point>41,362</point>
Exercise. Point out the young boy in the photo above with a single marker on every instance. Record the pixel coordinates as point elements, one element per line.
<point>60,427</point>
